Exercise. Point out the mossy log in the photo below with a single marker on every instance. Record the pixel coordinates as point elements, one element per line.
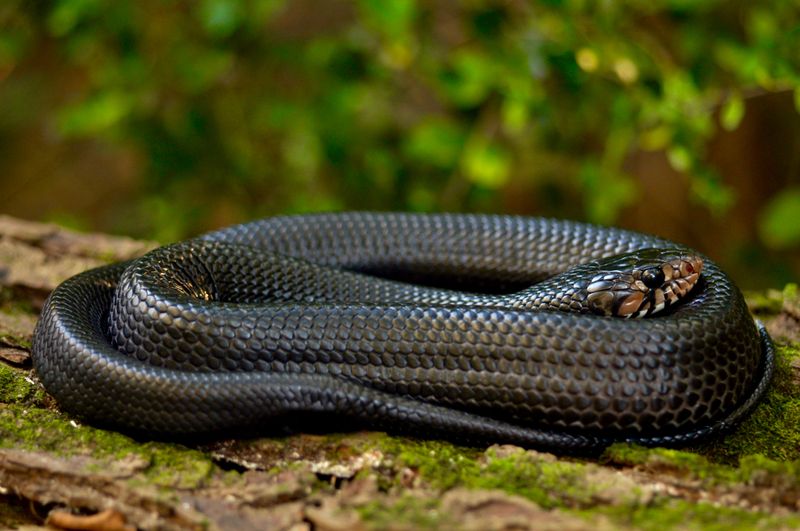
<point>54,468</point>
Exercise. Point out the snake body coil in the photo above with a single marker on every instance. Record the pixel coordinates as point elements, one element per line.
<point>217,332</point>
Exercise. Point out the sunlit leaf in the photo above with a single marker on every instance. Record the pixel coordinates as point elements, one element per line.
<point>487,165</point>
<point>656,138</point>
<point>392,17</point>
<point>471,78</point>
<point>763,26</point>
<point>515,114</point>
<point>94,115</point>
<point>732,112</point>
<point>679,158</point>
<point>797,98</point>
<point>708,188</point>
<point>779,224</point>
<point>606,192</point>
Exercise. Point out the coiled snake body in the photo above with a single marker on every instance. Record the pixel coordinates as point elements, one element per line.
<point>282,316</point>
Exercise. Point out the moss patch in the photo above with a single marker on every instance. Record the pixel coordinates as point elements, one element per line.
<point>548,482</point>
<point>538,477</point>
<point>17,388</point>
<point>442,464</point>
<point>665,460</point>
<point>16,328</point>
<point>753,470</point>
<point>573,486</point>
<point>770,302</point>
<point>15,341</point>
<point>169,465</point>
<point>668,514</point>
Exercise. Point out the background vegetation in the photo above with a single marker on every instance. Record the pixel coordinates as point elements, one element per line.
<point>164,118</point>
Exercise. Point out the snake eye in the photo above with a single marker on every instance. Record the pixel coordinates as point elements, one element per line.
<point>653,278</point>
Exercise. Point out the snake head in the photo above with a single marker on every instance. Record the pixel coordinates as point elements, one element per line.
<point>643,282</point>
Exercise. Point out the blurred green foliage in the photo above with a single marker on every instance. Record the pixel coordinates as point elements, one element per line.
<point>269,106</point>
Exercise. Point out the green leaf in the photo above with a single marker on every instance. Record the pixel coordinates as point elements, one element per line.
<point>470,79</point>
<point>94,115</point>
<point>515,114</point>
<point>436,142</point>
<point>487,165</point>
<point>68,13</point>
<point>709,189</point>
<point>656,138</point>
<point>391,17</point>
<point>732,112</point>
<point>197,68</point>
<point>220,18</point>
<point>797,98</point>
<point>680,158</point>
<point>606,192</point>
<point>12,46</point>
<point>763,26</point>
<point>779,224</point>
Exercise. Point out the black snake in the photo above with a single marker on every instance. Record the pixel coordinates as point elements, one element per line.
<point>286,316</point>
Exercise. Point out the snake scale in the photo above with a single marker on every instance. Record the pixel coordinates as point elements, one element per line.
<point>286,316</point>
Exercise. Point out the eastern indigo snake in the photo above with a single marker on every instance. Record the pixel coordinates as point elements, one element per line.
<point>286,316</point>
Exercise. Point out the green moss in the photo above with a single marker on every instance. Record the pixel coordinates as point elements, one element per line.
<point>765,303</point>
<point>676,462</point>
<point>16,388</point>
<point>442,464</point>
<point>752,470</point>
<point>168,465</point>
<point>16,342</point>
<point>538,477</point>
<point>760,471</point>
<point>570,486</point>
<point>549,483</point>
<point>791,294</point>
<point>772,301</point>
<point>406,511</point>
<point>667,514</point>
<point>772,429</point>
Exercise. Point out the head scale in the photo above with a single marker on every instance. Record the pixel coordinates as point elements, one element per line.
<point>643,282</point>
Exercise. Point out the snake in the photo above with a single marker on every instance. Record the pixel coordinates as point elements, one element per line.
<point>539,332</point>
